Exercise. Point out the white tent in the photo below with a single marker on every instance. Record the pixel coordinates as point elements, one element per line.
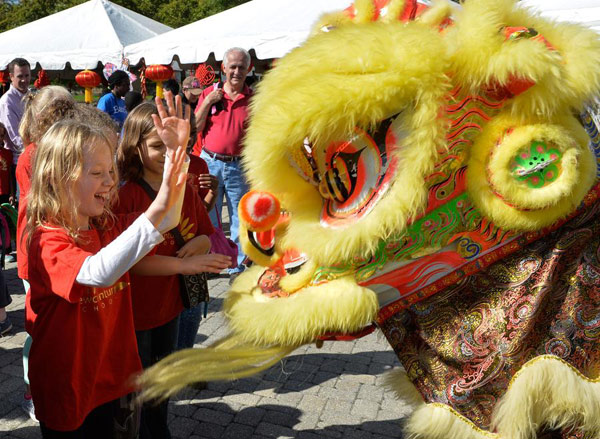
<point>270,27</point>
<point>586,12</point>
<point>82,35</point>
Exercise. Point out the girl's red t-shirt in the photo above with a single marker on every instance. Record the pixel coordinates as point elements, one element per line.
<point>197,167</point>
<point>84,351</point>
<point>156,299</point>
<point>23,174</point>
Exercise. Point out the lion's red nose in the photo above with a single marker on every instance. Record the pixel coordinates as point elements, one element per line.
<point>260,210</point>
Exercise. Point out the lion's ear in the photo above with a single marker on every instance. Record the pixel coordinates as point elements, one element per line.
<point>331,21</point>
<point>385,11</point>
<point>546,66</point>
<point>528,176</point>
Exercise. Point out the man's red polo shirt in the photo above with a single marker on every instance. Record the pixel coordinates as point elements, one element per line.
<point>224,131</point>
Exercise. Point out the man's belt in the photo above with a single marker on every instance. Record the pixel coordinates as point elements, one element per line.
<point>222,157</point>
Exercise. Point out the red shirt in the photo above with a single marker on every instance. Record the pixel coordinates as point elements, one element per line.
<point>23,173</point>
<point>197,166</point>
<point>156,299</point>
<point>224,131</point>
<point>6,159</point>
<point>84,350</point>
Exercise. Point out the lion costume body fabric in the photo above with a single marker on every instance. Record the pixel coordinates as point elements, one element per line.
<point>435,178</point>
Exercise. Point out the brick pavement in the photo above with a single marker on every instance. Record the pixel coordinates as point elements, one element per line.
<point>334,392</point>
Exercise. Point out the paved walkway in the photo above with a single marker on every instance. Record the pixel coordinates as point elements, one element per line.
<point>335,391</point>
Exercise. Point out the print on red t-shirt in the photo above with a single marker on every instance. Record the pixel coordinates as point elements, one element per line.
<point>156,299</point>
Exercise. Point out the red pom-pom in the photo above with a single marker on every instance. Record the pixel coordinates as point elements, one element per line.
<point>261,210</point>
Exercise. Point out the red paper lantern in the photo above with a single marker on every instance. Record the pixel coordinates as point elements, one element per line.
<point>159,73</point>
<point>88,80</point>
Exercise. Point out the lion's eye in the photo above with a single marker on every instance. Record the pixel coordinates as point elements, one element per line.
<point>340,179</point>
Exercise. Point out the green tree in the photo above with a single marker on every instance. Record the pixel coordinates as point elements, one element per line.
<point>174,13</point>
<point>25,11</point>
<point>177,13</point>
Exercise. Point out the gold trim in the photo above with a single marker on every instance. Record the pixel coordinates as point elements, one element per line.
<point>550,357</point>
<point>524,367</point>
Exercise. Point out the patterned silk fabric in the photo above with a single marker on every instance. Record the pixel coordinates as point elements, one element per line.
<point>462,346</point>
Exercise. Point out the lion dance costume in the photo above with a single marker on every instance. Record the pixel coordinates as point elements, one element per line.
<point>430,170</point>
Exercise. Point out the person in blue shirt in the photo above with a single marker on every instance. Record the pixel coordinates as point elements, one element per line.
<point>112,103</point>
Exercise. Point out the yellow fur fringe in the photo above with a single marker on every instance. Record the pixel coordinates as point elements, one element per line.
<point>397,380</point>
<point>340,305</point>
<point>228,359</point>
<point>546,392</point>
<point>365,11</point>
<point>437,13</point>
<point>394,9</point>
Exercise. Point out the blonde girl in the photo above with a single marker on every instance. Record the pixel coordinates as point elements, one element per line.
<point>43,108</point>
<point>83,353</point>
<point>154,281</point>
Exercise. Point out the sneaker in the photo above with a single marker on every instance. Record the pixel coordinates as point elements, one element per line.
<point>11,258</point>
<point>28,408</point>
<point>5,326</point>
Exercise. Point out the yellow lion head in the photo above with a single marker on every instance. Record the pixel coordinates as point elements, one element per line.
<point>404,144</point>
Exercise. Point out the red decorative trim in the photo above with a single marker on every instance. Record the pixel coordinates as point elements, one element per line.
<point>340,336</point>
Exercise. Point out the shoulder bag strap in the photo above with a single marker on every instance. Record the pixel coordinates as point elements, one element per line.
<point>152,194</point>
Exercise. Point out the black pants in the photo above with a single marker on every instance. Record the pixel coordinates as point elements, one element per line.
<point>117,419</point>
<point>153,345</point>
<point>5,298</point>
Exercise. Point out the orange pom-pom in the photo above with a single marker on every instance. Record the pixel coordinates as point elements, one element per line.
<point>260,210</point>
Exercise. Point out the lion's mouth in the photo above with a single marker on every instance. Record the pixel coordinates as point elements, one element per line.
<point>264,242</point>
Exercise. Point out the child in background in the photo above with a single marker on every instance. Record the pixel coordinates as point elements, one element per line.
<point>154,282</point>
<point>132,100</point>
<point>112,103</point>
<point>50,104</point>
<point>83,352</point>
<point>99,119</point>
<point>7,190</point>
<point>6,195</point>
<point>207,186</point>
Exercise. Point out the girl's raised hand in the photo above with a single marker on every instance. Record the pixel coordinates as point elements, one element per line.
<point>171,126</point>
<point>173,178</point>
<point>170,192</point>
